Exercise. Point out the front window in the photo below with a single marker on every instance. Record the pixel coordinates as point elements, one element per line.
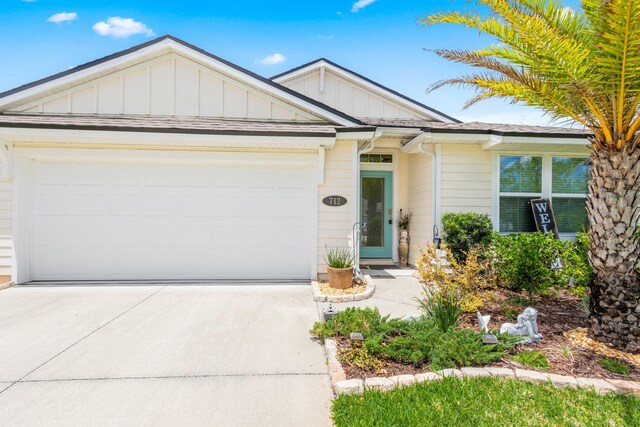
<point>569,188</point>
<point>562,179</point>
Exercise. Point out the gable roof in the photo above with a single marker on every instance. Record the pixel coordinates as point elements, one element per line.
<point>319,108</point>
<point>302,69</point>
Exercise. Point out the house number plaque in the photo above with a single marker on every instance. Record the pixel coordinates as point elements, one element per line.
<point>334,201</point>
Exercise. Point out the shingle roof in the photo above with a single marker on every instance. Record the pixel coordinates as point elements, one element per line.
<point>481,128</point>
<point>193,125</point>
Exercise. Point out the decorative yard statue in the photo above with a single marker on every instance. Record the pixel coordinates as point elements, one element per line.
<point>527,326</point>
<point>483,324</point>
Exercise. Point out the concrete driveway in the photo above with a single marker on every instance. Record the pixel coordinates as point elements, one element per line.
<point>161,355</point>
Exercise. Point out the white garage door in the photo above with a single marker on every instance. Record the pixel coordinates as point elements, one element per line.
<point>96,221</point>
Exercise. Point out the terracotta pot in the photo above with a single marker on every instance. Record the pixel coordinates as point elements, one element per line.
<point>340,278</point>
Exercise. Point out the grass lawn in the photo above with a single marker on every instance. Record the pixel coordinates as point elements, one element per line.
<point>485,402</point>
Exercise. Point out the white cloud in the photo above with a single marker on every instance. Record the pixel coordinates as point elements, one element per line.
<point>327,37</point>
<point>118,27</point>
<point>360,4</point>
<point>58,18</point>
<point>274,59</point>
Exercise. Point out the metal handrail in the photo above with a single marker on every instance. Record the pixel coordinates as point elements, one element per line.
<point>357,235</point>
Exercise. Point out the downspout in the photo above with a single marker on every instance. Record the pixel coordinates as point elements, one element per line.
<point>435,176</point>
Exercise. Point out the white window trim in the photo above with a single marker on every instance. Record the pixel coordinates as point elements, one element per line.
<point>547,185</point>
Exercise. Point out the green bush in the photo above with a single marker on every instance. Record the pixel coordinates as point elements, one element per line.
<point>583,273</point>
<point>363,320</point>
<point>464,231</point>
<point>416,342</point>
<point>535,262</point>
<point>442,307</point>
<point>535,359</point>
<point>615,366</point>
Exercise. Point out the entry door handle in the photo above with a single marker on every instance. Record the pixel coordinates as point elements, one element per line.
<point>390,221</point>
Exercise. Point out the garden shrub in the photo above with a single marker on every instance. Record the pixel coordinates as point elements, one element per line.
<point>614,365</point>
<point>442,307</point>
<point>466,231</point>
<point>582,271</point>
<point>535,359</point>
<point>469,279</point>
<point>360,357</point>
<point>416,342</point>
<point>363,320</point>
<point>535,262</point>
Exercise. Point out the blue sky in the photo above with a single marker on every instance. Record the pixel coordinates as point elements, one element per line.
<point>380,39</point>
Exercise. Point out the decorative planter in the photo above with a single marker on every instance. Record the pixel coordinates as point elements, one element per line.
<point>340,278</point>
<point>403,248</point>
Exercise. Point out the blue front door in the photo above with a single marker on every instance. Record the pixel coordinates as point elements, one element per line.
<point>376,214</point>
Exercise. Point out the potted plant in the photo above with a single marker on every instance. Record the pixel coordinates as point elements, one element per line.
<point>340,268</point>
<point>403,222</point>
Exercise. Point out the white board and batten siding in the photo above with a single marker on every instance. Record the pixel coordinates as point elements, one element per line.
<point>348,97</point>
<point>170,85</point>
<point>466,179</point>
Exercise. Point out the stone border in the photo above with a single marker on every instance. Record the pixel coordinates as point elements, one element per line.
<point>341,385</point>
<point>318,296</point>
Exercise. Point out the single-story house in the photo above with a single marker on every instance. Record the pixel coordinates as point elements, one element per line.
<point>164,161</point>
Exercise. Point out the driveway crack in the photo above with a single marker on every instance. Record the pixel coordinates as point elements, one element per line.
<point>82,339</point>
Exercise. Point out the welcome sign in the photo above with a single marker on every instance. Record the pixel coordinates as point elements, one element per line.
<point>543,216</point>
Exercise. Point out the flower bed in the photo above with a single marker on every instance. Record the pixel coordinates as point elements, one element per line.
<point>402,349</point>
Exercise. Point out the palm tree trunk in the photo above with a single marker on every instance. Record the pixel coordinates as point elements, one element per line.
<point>614,253</point>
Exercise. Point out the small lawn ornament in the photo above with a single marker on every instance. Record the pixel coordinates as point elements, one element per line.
<point>527,326</point>
<point>328,312</point>
<point>483,323</point>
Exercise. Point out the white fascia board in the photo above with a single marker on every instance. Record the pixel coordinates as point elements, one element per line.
<point>380,91</point>
<point>89,137</point>
<point>495,143</point>
<point>355,135</point>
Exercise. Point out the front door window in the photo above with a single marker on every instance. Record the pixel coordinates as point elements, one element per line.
<point>375,214</point>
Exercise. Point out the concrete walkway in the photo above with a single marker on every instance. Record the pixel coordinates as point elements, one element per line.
<point>161,355</point>
<point>395,294</point>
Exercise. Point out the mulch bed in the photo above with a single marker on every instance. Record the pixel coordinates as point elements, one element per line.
<point>556,315</point>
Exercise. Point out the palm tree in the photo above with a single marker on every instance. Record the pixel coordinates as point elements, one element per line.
<point>582,65</point>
